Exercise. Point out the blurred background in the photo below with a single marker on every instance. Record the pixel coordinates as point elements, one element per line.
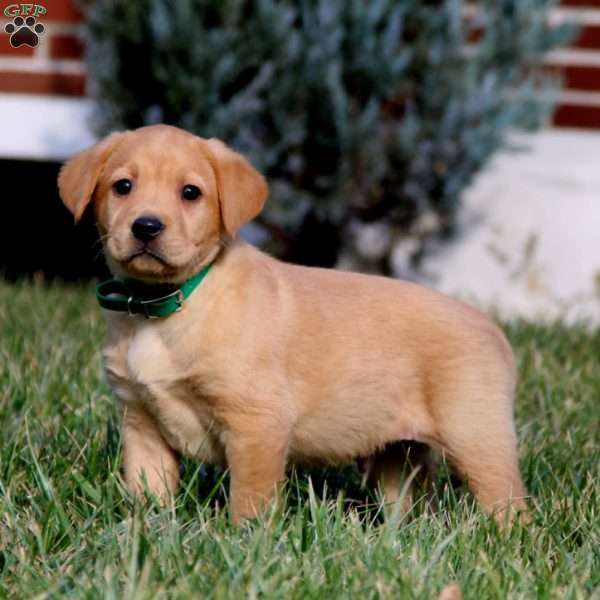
<point>449,142</point>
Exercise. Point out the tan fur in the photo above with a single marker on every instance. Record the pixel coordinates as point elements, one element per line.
<point>451,592</point>
<point>271,363</point>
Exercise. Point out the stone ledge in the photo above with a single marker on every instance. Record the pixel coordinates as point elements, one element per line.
<point>43,127</point>
<point>529,244</point>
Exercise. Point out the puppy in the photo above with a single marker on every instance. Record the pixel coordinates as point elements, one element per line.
<point>266,363</point>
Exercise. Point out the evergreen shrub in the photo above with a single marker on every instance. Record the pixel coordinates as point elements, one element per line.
<point>369,117</point>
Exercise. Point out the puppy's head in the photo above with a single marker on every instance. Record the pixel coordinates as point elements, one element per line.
<point>163,199</point>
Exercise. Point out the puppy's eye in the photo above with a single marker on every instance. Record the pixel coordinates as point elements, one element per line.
<point>191,192</point>
<point>122,187</point>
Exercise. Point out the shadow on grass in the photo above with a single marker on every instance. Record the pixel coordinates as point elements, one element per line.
<point>206,487</point>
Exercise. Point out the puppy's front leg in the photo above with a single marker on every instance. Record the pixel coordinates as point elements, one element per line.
<point>257,464</point>
<point>148,461</point>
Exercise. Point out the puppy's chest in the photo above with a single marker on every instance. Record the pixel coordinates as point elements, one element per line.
<point>143,369</point>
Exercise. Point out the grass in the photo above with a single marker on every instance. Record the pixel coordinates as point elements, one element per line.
<point>69,529</point>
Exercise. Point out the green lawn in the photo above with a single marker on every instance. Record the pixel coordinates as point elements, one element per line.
<point>68,528</point>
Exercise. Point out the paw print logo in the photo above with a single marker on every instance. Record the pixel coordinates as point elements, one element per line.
<point>24,32</point>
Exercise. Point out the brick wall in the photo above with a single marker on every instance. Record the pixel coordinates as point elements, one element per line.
<point>579,66</point>
<point>56,65</point>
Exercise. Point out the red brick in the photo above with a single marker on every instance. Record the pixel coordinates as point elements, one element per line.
<point>581,3</point>
<point>577,115</point>
<point>61,10</point>
<point>578,77</point>
<point>475,34</point>
<point>588,38</point>
<point>42,83</point>
<point>582,77</point>
<point>66,46</point>
<point>6,48</point>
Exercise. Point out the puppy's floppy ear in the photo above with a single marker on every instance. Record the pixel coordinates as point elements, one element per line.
<point>242,189</point>
<point>78,177</point>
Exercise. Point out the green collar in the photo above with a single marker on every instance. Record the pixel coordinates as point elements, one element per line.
<point>115,295</point>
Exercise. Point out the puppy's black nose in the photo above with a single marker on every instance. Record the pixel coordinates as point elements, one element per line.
<point>147,228</point>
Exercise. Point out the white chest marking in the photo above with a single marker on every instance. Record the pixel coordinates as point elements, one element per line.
<point>148,358</point>
<point>155,380</point>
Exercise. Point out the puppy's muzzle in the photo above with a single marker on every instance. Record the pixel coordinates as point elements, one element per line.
<point>147,228</point>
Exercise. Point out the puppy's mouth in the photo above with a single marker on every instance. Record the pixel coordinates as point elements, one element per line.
<point>145,261</point>
<point>147,252</point>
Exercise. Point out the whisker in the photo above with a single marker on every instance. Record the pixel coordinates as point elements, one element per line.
<point>98,254</point>
<point>101,239</point>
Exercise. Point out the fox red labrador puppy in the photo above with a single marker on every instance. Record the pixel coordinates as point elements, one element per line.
<point>222,353</point>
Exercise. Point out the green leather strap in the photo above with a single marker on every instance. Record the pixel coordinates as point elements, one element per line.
<point>115,295</point>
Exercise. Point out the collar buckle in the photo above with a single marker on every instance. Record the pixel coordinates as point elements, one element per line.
<point>177,296</point>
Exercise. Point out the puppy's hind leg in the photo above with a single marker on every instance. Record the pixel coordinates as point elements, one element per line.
<point>398,471</point>
<point>482,445</point>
